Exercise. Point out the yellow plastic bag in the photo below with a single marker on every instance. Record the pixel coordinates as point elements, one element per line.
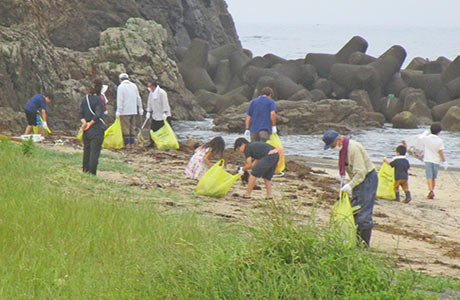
<point>80,136</point>
<point>342,221</point>
<point>35,128</point>
<point>216,181</point>
<point>385,189</point>
<point>276,142</point>
<point>164,138</point>
<point>113,136</point>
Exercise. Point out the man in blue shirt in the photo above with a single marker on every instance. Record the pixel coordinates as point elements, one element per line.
<point>261,117</point>
<point>37,105</point>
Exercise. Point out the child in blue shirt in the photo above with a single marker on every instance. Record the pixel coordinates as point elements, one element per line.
<point>401,166</point>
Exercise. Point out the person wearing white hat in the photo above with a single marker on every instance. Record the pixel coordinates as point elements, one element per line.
<point>129,104</point>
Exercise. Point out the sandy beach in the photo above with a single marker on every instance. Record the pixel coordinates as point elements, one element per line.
<point>423,235</point>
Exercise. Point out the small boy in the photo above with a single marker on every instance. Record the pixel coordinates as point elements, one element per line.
<point>401,166</point>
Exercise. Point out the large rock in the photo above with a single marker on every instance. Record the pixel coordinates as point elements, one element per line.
<point>77,24</point>
<point>31,64</point>
<point>451,120</point>
<point>362,99</point>
<point>440,110</point>
<point>305,116</point>
<point>405,120</point>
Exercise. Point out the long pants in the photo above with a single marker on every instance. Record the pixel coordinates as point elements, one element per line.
<point>364,195</point>
<point>92,139</point>
<point>128,123</point>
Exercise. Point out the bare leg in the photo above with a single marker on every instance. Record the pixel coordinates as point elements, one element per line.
<point>41,130</point>
<point>430,184</point>
<point>28,129</point>
<point>268,187</point>
<point>251,184</point>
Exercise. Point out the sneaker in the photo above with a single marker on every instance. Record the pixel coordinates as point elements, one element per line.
<point>407,200</point>
<point>430,195</point>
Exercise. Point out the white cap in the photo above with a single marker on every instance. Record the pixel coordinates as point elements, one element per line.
<point>123,76</point>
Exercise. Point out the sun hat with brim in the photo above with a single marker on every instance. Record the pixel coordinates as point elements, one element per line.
<point>329,138</point>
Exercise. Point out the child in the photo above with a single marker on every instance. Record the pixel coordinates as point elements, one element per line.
<point>199,163</point>
<point>401,166</point>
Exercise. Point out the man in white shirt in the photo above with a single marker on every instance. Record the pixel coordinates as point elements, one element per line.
<point>433,155</point>
<point>157,106</point>
<point>129,104</point>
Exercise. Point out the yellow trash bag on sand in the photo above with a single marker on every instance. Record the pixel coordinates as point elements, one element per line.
<point>385,189</point>
<point>35,128</point>
<point>113,136</point>
<point>164,138</point>
<point>342,221</point>
<point>216,181</point>
<point>276,142</point>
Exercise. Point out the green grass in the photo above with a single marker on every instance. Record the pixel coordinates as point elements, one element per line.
<point>69,235</point>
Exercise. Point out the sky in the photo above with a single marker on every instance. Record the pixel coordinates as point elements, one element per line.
<point>439,13</point>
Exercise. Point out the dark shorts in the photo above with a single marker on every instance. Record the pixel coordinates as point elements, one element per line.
<point>31,118</point>
<point>261,136</point>
<point>266,166</point>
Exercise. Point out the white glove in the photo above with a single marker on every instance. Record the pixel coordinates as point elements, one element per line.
<point>274,130</point>
<point>247,134</point>
<point>141,111</point>
<point>147,115</point>
<point>240,171</point>
<point>45,125</point>
<point>444,165</point>
<point>346,188</point>
<point>164,116</point>
<point>117,114</point>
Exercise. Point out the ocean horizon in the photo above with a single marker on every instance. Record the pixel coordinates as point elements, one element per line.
<point>295,41</point>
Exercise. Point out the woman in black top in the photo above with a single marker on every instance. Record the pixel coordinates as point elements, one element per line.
<point>93,127</point>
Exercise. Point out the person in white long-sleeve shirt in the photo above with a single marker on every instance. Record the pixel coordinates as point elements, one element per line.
<point>157,106</point>
<point>129,104</point>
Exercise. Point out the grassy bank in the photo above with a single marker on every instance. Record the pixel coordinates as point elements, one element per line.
<point>68,235</point>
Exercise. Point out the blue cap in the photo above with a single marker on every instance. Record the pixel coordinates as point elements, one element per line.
<point>329,138</point>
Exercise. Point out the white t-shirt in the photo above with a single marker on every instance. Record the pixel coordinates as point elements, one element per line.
<point>433,144</point>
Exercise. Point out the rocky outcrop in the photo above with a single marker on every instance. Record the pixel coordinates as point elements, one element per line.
<point>306,117</point>
<point>77,24</point>
<point>31,64</point>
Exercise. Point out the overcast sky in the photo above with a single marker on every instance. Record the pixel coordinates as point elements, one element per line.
<point>439,13</point>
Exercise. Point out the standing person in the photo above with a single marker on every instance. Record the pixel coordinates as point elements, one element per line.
<point>200,161</point>
<point>37,106</point>
<point>262,158</point>
<point>129,104</point>
<point>433,156</point>
<point>355,161</point>
<point>157,106</point>
<point>401,166</point>
<point>261,117</point>
<point>93,127</point>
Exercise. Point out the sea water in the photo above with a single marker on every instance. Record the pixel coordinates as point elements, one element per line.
<point>295,41</point>
<point>379,142</point>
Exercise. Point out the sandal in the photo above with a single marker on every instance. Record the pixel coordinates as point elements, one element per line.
<point>246,197</point>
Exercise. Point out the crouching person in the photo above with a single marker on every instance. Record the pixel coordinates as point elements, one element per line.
<point>262,159</point>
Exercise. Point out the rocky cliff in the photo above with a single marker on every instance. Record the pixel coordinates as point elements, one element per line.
<point>63,45</point>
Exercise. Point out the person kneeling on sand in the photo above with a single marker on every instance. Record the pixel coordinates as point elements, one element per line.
<point>355,161</point>
<point>200,162</point>
<point>262,158</point>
